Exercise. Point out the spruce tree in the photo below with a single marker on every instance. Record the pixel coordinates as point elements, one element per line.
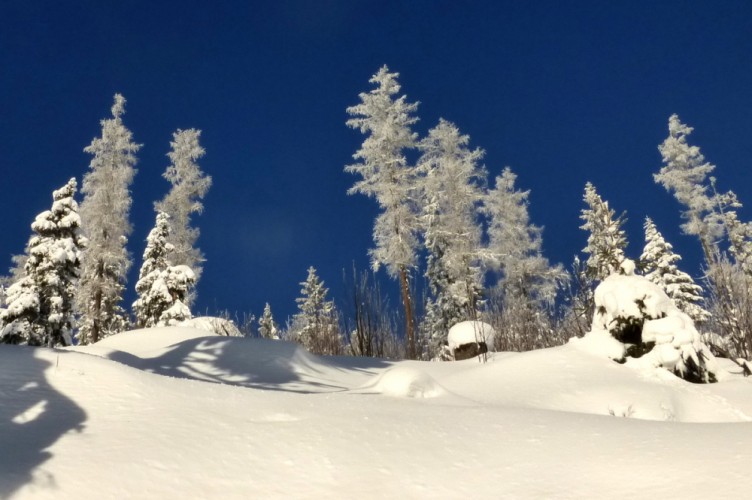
<point>659,264</point>
<point>162,288</point>
<point>685,173</point>
<point>528,283</point>
<point>606,239</point>
<point>148,308</point>
<point>267,326</point>
<point>712,217</point>
<point>451,190</point>
<point>104,214</point>
<point>316,322</point>
<point>387,177</point>
<point>40,304</point>
<point>189,186</point>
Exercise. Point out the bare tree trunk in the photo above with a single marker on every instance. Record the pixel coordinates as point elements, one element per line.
<point>409,321</point>
<point>97,312</point>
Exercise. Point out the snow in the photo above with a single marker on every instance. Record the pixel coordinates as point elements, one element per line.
<point>174,413</point>
<point>470,332</point>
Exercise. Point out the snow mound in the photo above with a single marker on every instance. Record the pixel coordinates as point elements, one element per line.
<point>183,352</point>
<point>468,332</point>
<point>405,382</point>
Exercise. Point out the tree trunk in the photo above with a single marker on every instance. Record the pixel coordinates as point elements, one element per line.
<point>409,323</point>
<point>96,313</point>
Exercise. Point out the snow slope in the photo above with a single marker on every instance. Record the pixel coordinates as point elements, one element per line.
<point>172,413</point>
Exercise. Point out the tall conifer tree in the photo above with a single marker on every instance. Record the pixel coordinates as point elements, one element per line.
<point>105,217</point>
<point>387,177</point>
<point>189,186</point>
<point>451,190</point>
<point>40,303</point>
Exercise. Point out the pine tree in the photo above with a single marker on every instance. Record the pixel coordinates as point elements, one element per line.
<point>659,264</point>
<point>606,241</point>
<point>711,216</point>
<point>104,213</point>
<point>451,190</point>
<point>528,283</point>
<point>685,174</point>
<point>316,320</point>
<point>148,308</point>
<point>189,186</point>
<point>162,288</point>
<point>387,177</point>
<point>40,304</point>
<point>267,326</point>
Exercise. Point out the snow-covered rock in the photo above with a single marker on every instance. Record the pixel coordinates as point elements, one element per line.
<point>468,332</point>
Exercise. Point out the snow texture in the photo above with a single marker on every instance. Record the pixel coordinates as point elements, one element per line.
<point>173,413</point>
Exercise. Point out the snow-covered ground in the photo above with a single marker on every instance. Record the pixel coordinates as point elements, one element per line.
<point>172,413</point>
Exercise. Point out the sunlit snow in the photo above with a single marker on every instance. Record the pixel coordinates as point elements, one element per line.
<point>174,413</point>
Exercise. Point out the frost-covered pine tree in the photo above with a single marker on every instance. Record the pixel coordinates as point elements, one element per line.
<point>104,214</point>
<point>316,322</point>
<point>267,326</point>
<point>711,216</point>
<point>40,304</point>
<point>606,239</point>
<point>685,173</point>
<point>659,265</point>
<point>451,191</point>
<point>162,288</point>
<point>189,185</point>
<point>528,283</point>
<point>387,177</point>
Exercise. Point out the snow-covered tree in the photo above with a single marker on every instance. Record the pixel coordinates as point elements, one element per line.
<point>712,216</point>
<point>315,325</point>
<point>645,323</point>
<point>162,288</point>
<point>451,191</point>
<point>606,239</point>
<point>267,326</point>
<point>528,283</point>
<point>104,214</point>
<point>659,265</point>
<point>387,177</point>
<point>148,308</point>
<point>40,304</point>
<point>189,185</point>
<point>685,173</point>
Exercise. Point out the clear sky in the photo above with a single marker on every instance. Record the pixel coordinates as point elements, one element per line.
<point>563,92</point>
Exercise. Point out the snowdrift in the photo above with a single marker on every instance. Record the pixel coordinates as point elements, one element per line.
<point>135,416</point>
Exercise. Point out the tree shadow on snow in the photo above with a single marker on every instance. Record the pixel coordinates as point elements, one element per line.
<point>256,363</point>
<point>33,416</point>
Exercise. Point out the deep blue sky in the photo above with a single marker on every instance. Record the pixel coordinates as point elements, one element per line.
<point>563,92</point>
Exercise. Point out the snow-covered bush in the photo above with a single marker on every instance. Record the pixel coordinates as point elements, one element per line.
<point>213,324</point>
<point>646,324</point>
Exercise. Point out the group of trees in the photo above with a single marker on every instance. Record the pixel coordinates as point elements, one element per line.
<point>478,253</point>
<point>439,219</point>
<point>71,280</point>
<point>437,207</point>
